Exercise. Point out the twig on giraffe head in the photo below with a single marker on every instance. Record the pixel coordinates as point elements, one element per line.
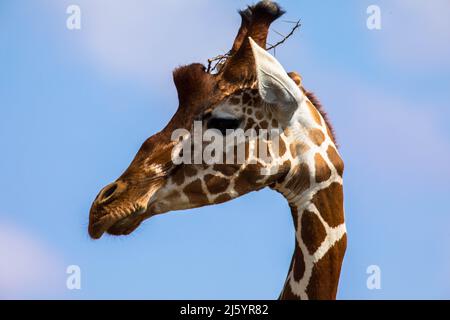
<point>296,26</point>
<point>218,59</point>
<point>215,62</point>
<point>278,33</point>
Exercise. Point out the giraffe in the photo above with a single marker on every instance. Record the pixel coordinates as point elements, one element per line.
<point>250,91</point>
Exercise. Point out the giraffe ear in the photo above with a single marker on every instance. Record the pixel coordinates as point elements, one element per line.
<point>274,84</point>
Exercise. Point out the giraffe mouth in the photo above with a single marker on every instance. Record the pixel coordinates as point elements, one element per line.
<point>119,213</point>
<point>117,224</point>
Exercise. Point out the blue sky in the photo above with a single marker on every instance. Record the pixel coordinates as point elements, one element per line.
<point>76,105</point>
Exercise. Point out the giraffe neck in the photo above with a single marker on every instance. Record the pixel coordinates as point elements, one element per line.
<point>320,239</point>
<point>313,189</point>
<point>319,248</point>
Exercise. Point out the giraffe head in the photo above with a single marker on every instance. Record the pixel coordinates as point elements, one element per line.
<point>251,93</point>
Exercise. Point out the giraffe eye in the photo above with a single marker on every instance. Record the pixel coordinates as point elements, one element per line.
<point>222,124</point>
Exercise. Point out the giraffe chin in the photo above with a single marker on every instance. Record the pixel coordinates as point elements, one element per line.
<point>117,227</point>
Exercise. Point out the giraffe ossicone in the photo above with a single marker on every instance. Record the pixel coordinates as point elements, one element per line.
<point>259,128</point>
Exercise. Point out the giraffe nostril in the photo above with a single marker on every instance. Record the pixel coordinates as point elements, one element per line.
<point>107,192</point>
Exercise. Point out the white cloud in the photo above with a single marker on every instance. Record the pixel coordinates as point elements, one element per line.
<point>147,39</point>
<point>415,33</point>
<point>28,268</point>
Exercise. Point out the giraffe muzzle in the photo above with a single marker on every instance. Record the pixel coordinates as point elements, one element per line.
<point>122,206</point>
<point>116,210</point>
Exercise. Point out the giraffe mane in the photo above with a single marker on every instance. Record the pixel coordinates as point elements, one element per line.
<point>315,101</point>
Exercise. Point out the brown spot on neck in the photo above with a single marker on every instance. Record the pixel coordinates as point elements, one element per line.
<point>222,198</point>
<point>216,184</point>
<point>178,176</point>
<point>318,106</point>
<point>298,148</point>
<point>325,275</point>
<point>336,160</point>
<point>298,263</point>
<point>226,169</point>
<point>323,172</point>
<point>329,202</point>
<point>315,114</point>
<point>313,232</point>
<point>316,136</point>
<point>248,179</point>
<point>190,170</point>
<point>300,181</point>
<point>194,192</point>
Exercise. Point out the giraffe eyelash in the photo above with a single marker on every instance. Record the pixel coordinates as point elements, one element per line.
<point>207,114</point>
<point>223,124</point>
